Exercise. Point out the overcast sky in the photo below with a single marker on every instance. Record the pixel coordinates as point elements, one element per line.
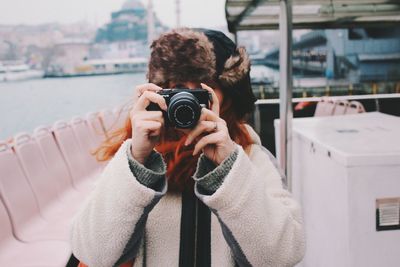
<point>194,13</point>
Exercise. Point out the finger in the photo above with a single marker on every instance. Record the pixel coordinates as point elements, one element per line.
<point>156,132</point>
<point>208,115</point>
<point>148,97</point>
<point>215,100</point>
<point>147,87</point>
<point>210,139</point>
<point>202,126</point>
<point>148,127</point>
<point>147,115</point>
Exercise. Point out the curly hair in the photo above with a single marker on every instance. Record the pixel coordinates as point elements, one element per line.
<point>186,55</point>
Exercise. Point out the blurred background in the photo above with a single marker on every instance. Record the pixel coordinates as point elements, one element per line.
<point>60,59</point>
<point>80,61</point>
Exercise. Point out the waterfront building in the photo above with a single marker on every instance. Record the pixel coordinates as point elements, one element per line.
<point>126,34</point>
<point>357,55</point>
<point>119,46</point>
<point>67,55</point>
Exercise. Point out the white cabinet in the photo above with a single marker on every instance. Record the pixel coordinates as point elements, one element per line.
<point>342,166</point>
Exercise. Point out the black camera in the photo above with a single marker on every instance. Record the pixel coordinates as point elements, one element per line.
<point>184,106</point>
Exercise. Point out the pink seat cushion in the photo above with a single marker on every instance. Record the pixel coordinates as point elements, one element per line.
<point>95,128</point>
<point>340,107</point>
<point>324,108</point>
<point>86,143</point>
<point>23,209</point>
<point>44,253</point>
<point>71,151</point>
<point>45,188</point>
<point>108,119</point>
<point>57,167</point>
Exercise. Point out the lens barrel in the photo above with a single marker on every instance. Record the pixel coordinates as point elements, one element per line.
<point>184,110</point>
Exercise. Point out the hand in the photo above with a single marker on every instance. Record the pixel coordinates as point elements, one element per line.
<point>215,142</point>
<point>146,125</point>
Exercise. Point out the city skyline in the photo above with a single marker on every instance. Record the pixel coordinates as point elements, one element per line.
<point>97,13</point>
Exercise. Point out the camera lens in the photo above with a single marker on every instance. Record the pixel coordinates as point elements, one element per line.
<point>184,110</point>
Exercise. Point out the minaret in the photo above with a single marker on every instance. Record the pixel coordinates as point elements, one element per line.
<point>178,13</point>
<point>150,22</point>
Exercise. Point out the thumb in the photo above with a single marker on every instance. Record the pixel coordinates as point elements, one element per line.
<point>215,100</point>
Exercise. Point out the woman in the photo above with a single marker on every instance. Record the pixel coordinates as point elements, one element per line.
<point>159,203</point>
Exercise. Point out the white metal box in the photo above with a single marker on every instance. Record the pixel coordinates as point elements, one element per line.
<point>341,166</point>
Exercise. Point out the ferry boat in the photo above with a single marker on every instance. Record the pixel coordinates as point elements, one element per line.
<point>93,67</point>
<point>46,176</point>
<point>18,72</point>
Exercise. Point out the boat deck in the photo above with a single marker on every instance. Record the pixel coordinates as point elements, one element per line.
<point>45,178</point>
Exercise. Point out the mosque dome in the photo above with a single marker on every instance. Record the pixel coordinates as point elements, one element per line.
<point>132,4</point>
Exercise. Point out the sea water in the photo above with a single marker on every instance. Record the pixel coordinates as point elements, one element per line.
<point>25,105</point>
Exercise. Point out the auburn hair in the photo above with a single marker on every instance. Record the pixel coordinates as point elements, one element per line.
<point>181,165</point>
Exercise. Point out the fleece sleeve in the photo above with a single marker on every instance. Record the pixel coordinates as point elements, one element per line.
<point>152,173</point>
<point>210,177</point>
<point>260,221</point>
<point>108,229</point>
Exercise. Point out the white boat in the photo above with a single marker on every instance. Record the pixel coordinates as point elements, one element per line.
<point>119,65</point>
<point>18,72</point>
<point>94,67</point>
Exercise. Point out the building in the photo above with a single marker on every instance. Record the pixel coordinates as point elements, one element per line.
<point>66,56</point>
<point>126,34</point>
<point>358,55</point>
<point>36,45</point>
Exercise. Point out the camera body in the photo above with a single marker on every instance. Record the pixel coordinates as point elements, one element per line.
<point>184,106</point>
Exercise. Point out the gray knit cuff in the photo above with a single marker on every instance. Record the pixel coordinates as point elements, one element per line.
<point>210,177</point>
<point>152,173</point>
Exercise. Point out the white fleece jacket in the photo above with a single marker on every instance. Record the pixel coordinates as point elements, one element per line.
<point>254,220</point>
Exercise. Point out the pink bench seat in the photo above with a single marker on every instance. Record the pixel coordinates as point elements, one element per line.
<point>17,254</point>
<point>73,156</point>
<point>21,203</point>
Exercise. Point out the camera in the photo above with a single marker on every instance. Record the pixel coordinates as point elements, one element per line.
<point>184,106</point>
